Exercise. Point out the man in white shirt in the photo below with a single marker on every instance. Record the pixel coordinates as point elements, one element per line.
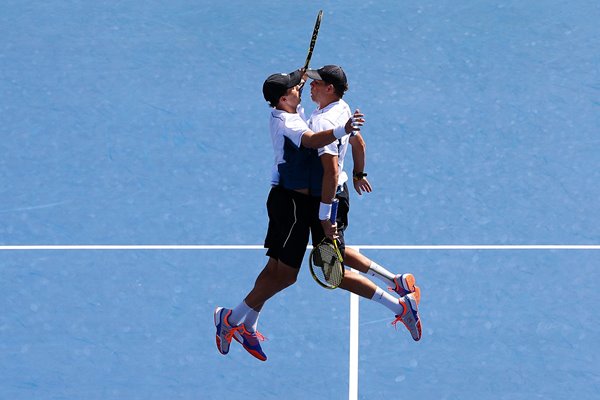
<point>290,207</point>
<point>328,86</point>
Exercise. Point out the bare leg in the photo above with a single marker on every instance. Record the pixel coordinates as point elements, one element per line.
<point>360,262</point>
<point>356,260</point>
<point>358,284</point>
<point>275,277</point>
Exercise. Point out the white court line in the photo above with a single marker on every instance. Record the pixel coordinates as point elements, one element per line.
<point>484,247</point>
<point>260,247</point>
<point>132,247</point>
<point>353,356</point>
<point>354,299</point>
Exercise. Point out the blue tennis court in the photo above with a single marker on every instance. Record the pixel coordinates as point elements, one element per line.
<point>143,123</point>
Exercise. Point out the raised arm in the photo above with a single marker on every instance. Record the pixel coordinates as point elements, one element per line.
<point>314,140</point>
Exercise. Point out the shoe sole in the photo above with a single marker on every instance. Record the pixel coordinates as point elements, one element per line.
<point>408,284</point>
<point>417,294</point>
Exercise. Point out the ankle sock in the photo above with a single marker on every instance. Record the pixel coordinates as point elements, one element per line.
<point>388,300</point>
<point>379,272</point>
<point>251,320</point>
<point>238,313</point>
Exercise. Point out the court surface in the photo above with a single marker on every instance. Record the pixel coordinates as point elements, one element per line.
<point>143,123</point>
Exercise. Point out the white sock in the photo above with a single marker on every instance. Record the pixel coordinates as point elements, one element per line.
<point>377,271</point>
<point>388,300</point>
<point>238,313</point>
<point>251,320</point>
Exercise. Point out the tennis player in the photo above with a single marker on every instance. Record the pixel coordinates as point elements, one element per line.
<point>327,88</point>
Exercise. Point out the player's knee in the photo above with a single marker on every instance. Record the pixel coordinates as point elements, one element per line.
<point>288,280</point>
<point>286,275</point>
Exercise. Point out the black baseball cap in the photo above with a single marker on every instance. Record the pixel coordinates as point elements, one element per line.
<point>277,85</point>
<point>332,74</point>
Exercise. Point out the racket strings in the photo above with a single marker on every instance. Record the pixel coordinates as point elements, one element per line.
<point>329,269</point>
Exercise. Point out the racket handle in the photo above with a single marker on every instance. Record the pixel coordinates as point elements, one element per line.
<point>334,208</point>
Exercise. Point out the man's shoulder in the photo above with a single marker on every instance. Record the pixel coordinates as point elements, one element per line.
<point>336,108</point>
<point>285,116</point>
<point>342,104</point>
<point>336,112</point>
<point>285,123</point>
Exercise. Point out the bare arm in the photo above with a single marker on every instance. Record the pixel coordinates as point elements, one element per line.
<point>314,140</point>
<point>359,157</point>
<point>359,152</point>
<point>330,179</point>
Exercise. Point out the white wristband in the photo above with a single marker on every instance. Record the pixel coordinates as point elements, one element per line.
<point>324,211</point>
<point>339,132</point>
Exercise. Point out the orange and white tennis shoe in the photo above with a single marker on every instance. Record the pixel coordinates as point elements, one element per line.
<point>405,284</point>
<point>410,316</point>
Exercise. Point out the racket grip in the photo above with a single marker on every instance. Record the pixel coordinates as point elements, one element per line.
<point>334,208</point>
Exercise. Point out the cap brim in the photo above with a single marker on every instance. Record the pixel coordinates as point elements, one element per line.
<point>295,78</point>
<point>314,74</point>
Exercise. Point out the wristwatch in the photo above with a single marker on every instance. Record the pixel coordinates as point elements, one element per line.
<point>357,176</point>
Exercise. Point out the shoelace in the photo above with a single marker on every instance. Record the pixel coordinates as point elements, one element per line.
<point>232,331</point>
<point>256,334</point>
<point>395,322</point>
<point>393,289</point>
<point>399,317</point>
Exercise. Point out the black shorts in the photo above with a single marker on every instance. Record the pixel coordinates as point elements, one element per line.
<point>290,217</point>
<point>341,219</point>
<point>343,209</point>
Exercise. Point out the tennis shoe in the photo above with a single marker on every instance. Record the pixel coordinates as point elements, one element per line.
<point>405,284</point>
<point>410,316</point>
<point>225,330</point>
<point>251,342</point>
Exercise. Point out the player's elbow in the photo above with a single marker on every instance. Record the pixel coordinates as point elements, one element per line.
<point>358,143</point>
<point>310,140</point>
<point>334,174</point>
<point>331,174</point>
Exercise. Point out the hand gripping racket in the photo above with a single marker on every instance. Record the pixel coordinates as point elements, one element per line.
<point>325,259</point>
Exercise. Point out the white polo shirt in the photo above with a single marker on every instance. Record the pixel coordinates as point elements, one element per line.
<point>333,115</point>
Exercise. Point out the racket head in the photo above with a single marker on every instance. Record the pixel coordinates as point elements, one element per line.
<point>326,267</point>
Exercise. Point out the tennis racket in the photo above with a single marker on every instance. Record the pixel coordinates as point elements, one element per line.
<point>313,39</point>
<point>325,259</point>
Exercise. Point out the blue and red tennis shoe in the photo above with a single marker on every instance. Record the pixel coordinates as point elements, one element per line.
<point>251,342</point>
<point>225,332</point>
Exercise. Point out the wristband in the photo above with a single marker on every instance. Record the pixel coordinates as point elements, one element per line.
<point>339,132</point>
<point>357,176</point>
<point>324,211</point>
